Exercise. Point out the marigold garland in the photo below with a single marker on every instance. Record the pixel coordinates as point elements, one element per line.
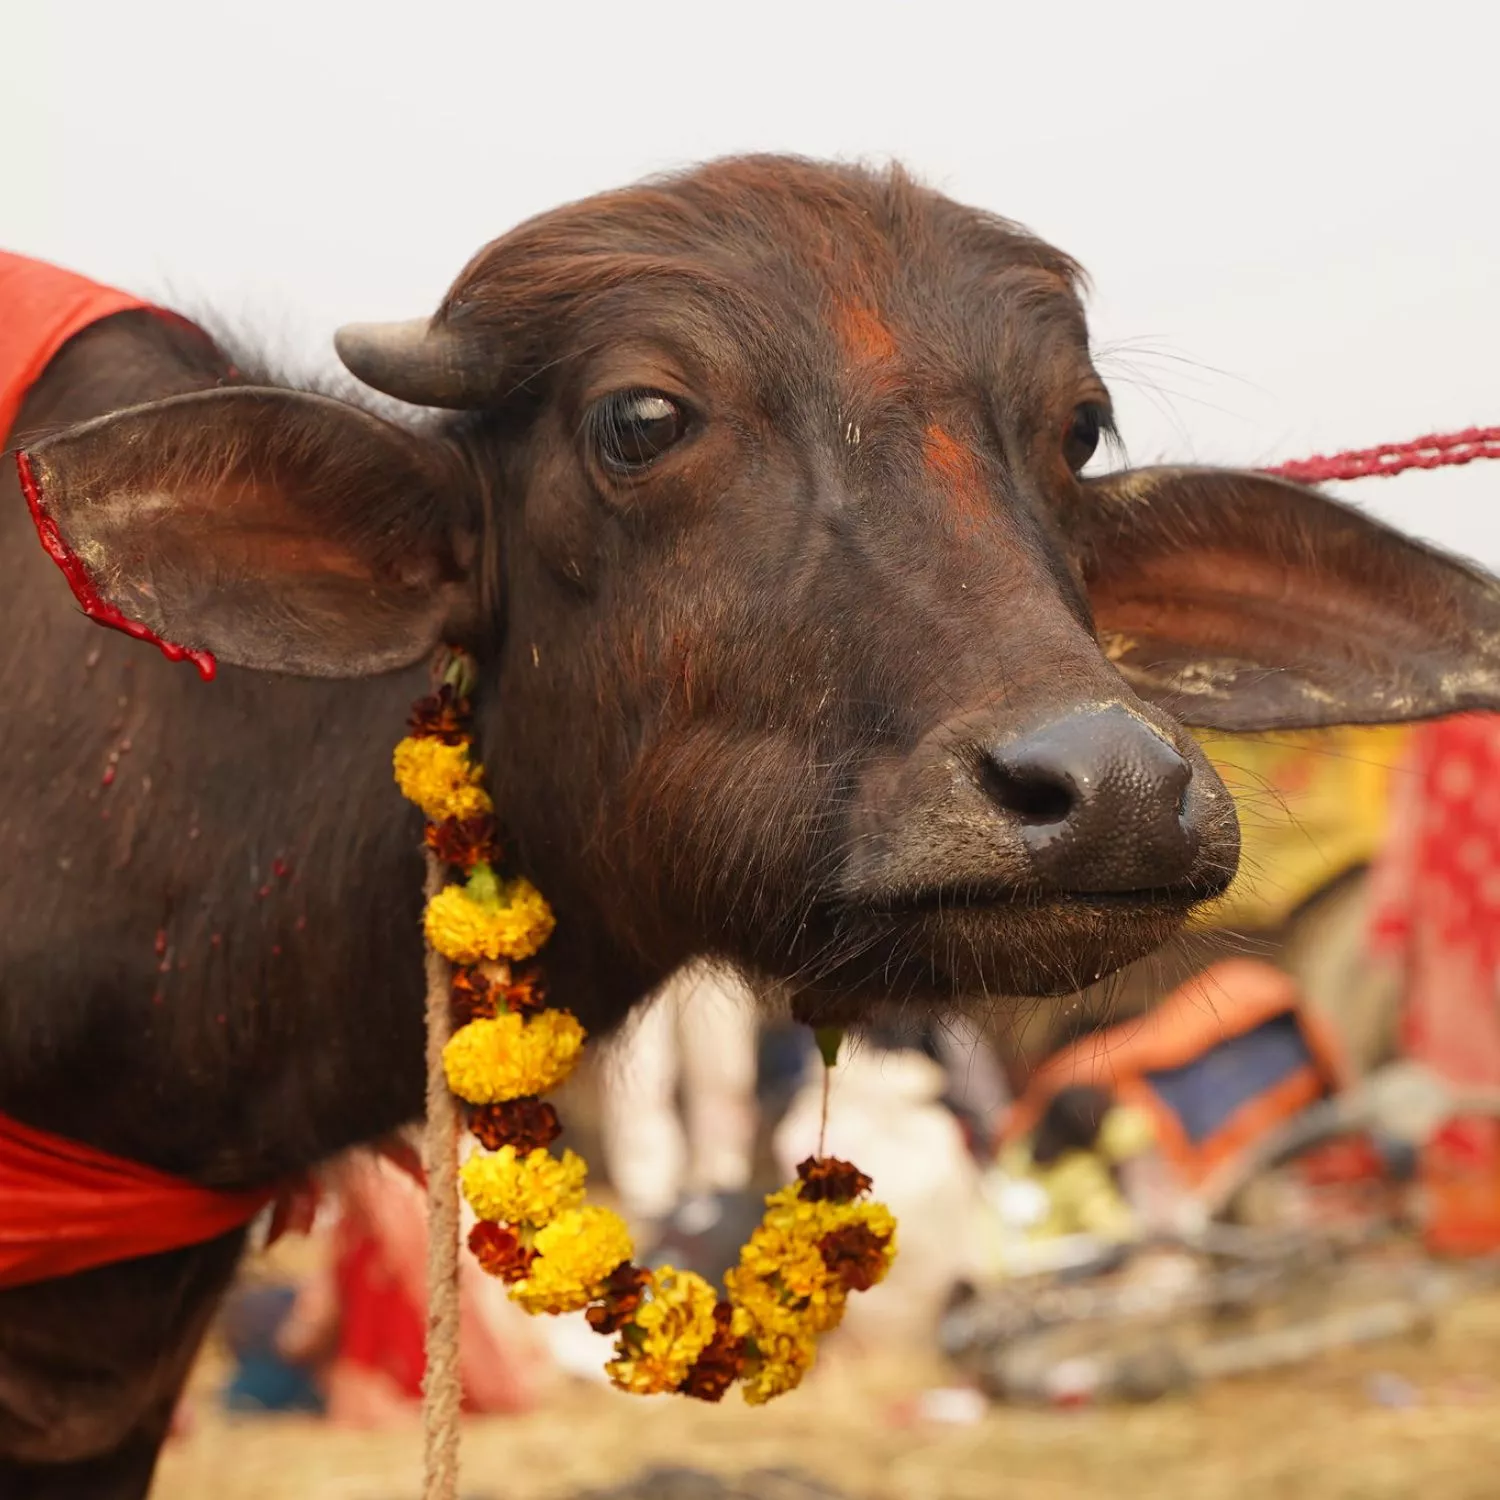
<point>821,1237</point>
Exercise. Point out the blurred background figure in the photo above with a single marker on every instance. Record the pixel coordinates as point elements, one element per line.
<point>277,1367</point>
<point>345,1339</point>
<point>678,1103</point>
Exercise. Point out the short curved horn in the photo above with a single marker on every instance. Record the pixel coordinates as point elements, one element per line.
<point>420,363</point>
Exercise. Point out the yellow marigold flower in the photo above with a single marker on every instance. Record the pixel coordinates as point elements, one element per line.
<point>795,1219</point>
<point>877,1218</point>
<point>668,1332</point>
<point>786,1285</point>
<point>776,1366</point>
<point>441,779</point>
<point>511,1056</point>
<point>787,1211</point>
<point>487,918</point>
<point>533,1189</point>
<point>575,1254</point>
<point>763,1308</point>
<point>791,1270</point>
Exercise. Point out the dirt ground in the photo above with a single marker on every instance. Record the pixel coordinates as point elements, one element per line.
<point>1321,1432</point>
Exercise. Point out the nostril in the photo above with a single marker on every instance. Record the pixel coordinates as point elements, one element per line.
<point>1030,794</point>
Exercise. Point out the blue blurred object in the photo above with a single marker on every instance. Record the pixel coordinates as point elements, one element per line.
<point>265,1383</point>
<point>1207,1089</point>
<point>1400,1158</point>
<point>263,1380</point>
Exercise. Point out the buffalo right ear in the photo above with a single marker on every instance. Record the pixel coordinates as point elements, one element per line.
<point>271,529</point>
<point>1243,602</point>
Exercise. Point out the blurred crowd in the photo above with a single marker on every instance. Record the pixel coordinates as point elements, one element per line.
<point>1363,934</point>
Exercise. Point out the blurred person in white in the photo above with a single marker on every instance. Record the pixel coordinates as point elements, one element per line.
<point>695,1039</point>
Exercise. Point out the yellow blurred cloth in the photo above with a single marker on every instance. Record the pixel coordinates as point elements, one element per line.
<point>1082,1196</point>
<point>1125,1132</point>
<point>1312,806</point>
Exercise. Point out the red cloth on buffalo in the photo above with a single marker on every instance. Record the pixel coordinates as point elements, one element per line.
<point>41,308</point>
<point>66,1207</point>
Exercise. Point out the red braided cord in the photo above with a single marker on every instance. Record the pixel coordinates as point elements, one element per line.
<point>1436,451</point>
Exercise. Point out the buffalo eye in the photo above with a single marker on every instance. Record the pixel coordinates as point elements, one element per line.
<point>1085,427</point>
<point>632,429</point>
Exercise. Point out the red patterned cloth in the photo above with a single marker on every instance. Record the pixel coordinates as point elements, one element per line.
<point>1436,893</point>
<point>1437,897</point>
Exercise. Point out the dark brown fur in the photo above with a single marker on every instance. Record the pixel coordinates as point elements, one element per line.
<point>743,704</point>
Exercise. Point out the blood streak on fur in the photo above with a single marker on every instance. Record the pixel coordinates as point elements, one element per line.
<point>94,605</point>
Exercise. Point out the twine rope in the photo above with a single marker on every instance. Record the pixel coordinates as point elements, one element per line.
<point>442,1386</point>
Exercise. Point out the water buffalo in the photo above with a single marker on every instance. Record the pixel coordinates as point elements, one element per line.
<point>757,493</point>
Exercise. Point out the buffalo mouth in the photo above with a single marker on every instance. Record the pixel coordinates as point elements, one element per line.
<point>951,943</point>
<point>956,898</point>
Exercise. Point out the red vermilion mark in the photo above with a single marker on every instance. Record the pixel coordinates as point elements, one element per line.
<point>864,338</point>
<point>84,591</point>
<point>957,470</point>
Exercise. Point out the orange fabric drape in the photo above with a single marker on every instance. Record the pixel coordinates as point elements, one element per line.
<point>1224,1001</point>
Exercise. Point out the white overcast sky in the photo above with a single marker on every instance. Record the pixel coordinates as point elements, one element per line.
<point>1290,212</point>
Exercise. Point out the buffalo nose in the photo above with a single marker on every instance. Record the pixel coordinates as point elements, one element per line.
<point>1101,800</point>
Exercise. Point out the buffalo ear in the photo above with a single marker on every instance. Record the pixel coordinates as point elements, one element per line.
<point>1243,602</point>
<point>272,529</point>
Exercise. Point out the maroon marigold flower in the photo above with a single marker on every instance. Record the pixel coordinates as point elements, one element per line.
<point>527,1124</point>
<point>444,715</point>
<point>474,997</point>
<point>855,1254</point>
<point>621,1297</point>
<point>500,1252</point>
<point>826,1178</point>
<point>463,842</point>
<point>721,1363</point>
<point>525,993</point>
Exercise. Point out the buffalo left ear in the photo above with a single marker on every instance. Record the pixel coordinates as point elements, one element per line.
<point>1240,602</point>
<point>269,528</point>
